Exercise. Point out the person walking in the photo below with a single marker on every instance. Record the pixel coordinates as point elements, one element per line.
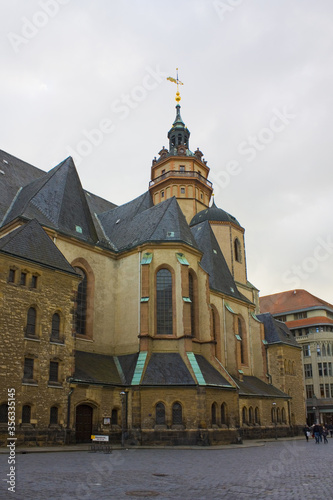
<point>306,431</point>
<point>316,431</point>
<point>325,434</point>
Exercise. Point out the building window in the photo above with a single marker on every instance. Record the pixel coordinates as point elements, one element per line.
<point>11,276</point>
<point>164,302</point>
<point>23,278</point>
<point>28,370</point>
<point>160,414</point>
<point>237,248</point>
<point>224,414</point>
<point>273,413</point>
<point>309,391</point>
<point>31,321</point>
<point>244,415</point>
<point>282,318</point>
<point>162,194</point>
<point>192,298</point>
<point>182,168</point>
<point>214,408</point>
<point>34,280</point>
<point>283,416</point>
<point>26,414</point>
<point>256,416</point>
<point>182,190</point>
<point>55,332</point>
<point>306,350</point>
<point>81,303</point>
<point>308,370</point>
<point>54,415</point>
<point>250,415</point>
<point>300,315</point>
<point>318,350</point>
<point>177,414</point>
<point>241,336</point>
<point>54,371</point>
<point>4,414</point>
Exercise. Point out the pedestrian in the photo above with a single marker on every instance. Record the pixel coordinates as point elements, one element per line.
<point>325,433</point>
<point>316,430</point>
<point>306,431</point>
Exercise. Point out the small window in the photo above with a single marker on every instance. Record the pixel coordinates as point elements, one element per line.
<point>224,414</point>
<point>11,276</point>
<point>34,281</point>
<point>54,368</point>
<point>28,372</point>
<point>54,415</point>
<point>256,416</point>
<point>237,248</point>
<point>163,171</point>
<point>23,279</point>
<point>182,190</point>
<point>214,420</point>
<point>162,194</point>
<point>26,414</point>
<point>300,315</point>
<point>182,168</point>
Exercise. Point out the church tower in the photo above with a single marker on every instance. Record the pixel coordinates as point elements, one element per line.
<point>179,172</point>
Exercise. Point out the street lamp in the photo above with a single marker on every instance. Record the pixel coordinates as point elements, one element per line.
<point>123,396</point>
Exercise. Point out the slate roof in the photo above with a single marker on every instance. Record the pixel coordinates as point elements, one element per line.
<point>167,369</point>
<point>31,242</point>
<point>276,332</point>
<point>213,214</point>
<point>253,386</point>
<point>140,221</point>
<point>58,201</point>
<point>128,363</point>
<point>96,369</point>
<point>213,261</point>
<point>210,374</point>
<point>292,300</point>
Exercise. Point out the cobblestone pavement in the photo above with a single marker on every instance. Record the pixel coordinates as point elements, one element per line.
<point>276,470</point>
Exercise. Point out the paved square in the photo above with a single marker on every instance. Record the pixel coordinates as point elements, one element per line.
<point>274,470</point>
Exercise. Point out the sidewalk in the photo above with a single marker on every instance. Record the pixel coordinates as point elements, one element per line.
<point>86,447</point>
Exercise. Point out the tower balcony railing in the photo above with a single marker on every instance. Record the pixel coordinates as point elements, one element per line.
<point>180,173</point>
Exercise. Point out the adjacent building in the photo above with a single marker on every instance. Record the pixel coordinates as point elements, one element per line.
<point>136,320</point>
<point>310,320</point>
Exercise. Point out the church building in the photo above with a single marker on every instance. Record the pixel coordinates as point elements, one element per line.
<point>136,321</point>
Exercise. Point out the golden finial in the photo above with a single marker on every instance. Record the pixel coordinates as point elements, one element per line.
<point>178,82</point>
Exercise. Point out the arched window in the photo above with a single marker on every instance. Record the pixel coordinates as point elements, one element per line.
<point>238,251</point>
<point>160,414</point>
<point>244,415</point>
<point>278,419</point>
<point>4,413</point>
<point>256,416</point>
<point>81,303</point>
<point>54,415</point>
<point>164,302</point>
<point>177,414</point>
<point>250,415</point>
<point>179,139</point>
<point>214,408</point>
<point>31,321</point>
<point>273,415</point>
<point>55,332</point>
<point>283,416</point>
<point>224,414</point>
<point>241,335</point>
<point>26,414</point>
<point>192,298</point>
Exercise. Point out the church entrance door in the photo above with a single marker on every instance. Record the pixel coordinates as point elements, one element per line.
<point>84,414</point>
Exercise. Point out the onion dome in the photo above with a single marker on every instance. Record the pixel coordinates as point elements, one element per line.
<point>213,214</point>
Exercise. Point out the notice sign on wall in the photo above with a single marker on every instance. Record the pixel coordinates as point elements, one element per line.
<point>100,438</point>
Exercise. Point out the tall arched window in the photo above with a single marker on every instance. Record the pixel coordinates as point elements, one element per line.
<point>214,419</point>
<point>242,347</point>
<point>31,321</point>
<point>81,303</point>
<point>160,414</point>
<point>192,298</point>
<point>55,332</point>
<point>177,414</point>
<point>224,414</point>
<point>283,416</point>
<point>54,415</point>
<point>250,415</point>
<point>164,302</point>
<point>244,415</point>
<point>256,416</point>
<point>238,251</point>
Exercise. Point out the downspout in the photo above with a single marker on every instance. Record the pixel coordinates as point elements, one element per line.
<point>139,296</point>
<point>225,337</point>
<point>68,413</point>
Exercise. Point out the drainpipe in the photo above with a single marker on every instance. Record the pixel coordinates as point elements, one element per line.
<point>225,337</point>
<point>68,412</point>
<point>139,296</point>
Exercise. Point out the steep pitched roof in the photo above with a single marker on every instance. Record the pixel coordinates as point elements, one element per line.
<point>96,369</point>
<point>167,369</point>
<point>58,201</point>
<point>14,173</point>
<point>211,375</point>
<point>213,261</point>
<point>140,221</point>
<point>292,300</point>
<point>31,242</point>
<point>253,386</point>
<point>276,332</point>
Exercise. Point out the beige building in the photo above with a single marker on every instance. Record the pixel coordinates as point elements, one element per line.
<point>160,341</point>
<point>310,320</point>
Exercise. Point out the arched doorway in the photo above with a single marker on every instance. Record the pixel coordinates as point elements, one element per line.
<point>83,423</point>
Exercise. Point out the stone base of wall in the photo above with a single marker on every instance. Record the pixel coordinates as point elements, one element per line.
<point>165,437</point>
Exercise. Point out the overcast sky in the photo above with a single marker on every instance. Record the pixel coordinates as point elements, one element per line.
<point>87,78</point>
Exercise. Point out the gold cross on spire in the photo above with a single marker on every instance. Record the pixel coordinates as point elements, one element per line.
<point>178,82</point>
